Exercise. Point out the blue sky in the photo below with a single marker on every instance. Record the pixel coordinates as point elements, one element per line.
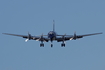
<point>36,16</point>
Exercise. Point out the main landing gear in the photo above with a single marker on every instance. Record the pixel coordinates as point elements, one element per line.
<point>63,45</point>
<point>41,45</point>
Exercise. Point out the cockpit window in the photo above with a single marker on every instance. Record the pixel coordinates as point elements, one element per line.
<point>50,32</point>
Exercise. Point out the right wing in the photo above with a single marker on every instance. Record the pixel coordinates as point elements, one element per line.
<point>24,36</point>
<point>29,37</point>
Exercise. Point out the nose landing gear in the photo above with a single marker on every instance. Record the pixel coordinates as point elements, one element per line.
<point>51,45</point>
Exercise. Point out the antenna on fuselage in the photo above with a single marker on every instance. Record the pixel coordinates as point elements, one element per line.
<point>53,25</point>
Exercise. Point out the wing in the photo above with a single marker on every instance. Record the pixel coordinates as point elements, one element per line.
<point>63,39</point>
<point>64,35</point>
<point>37,38</point>
<point>71,37</point>
<point>24,36</point>
<point>80,36</point>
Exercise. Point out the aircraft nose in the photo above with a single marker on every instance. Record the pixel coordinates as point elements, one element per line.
<point>51,35</point>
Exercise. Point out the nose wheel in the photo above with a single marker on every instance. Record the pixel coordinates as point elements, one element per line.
<point>51,45</point>
<point>62,45</point>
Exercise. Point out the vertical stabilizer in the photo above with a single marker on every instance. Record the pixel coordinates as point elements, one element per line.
<point>53,25</point>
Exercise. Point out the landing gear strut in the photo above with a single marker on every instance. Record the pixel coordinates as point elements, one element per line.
<point>51,43</point>
<point>41,45</point>
<point>63,44</point>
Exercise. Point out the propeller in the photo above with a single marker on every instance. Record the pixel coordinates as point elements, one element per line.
<point>64,37</point>
<point>74,37</point>
<point>29,37</point>
<point>41,38</point>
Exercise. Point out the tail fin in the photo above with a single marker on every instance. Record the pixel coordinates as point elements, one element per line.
<point>53,25</point>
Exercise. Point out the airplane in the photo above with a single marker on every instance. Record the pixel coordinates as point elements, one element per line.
<point>52,36</point>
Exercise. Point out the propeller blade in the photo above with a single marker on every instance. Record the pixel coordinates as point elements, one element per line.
<point>29,36</point>
<point>26,40</point>
<point>28,33</point>
<point>71,38</point>
<point>74,33</point>
<point>75,36</point>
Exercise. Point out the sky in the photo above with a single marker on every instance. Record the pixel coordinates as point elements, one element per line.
<point>36,17</point>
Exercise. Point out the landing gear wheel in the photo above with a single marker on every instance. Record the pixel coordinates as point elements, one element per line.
<point>51,45</point>
<point>41,45</point>
<point>62,45</point>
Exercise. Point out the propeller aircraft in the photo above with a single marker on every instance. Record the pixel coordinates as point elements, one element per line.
<point>52,36</point>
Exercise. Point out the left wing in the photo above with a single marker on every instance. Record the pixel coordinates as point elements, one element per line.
<point>73,37</point>
<point>81,36</point>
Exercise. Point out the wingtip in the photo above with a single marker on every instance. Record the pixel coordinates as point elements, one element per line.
<point>3,33</point>
<point>101,33</point>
